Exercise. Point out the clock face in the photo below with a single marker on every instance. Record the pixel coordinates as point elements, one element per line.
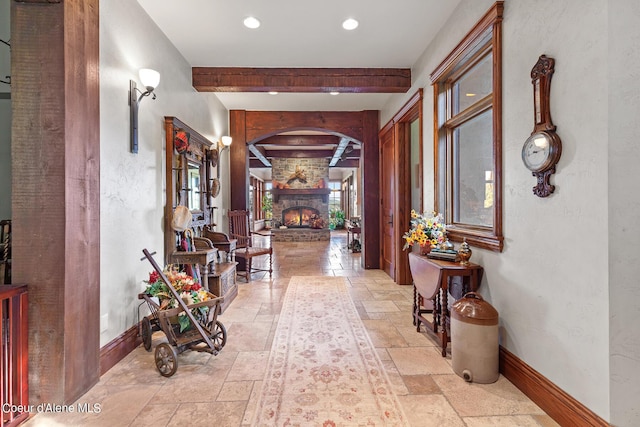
<point>536,152</point>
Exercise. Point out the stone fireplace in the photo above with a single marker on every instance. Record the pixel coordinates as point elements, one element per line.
<point>301,198</point>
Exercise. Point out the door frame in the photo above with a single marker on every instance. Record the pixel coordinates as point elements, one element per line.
<point>399,126</point>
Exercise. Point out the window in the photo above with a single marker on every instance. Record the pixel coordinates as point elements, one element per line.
<point>334,196</point>
<point>468,145</point>
<point>256,194</point>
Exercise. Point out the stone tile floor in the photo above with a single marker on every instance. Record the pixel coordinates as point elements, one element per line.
<point>220,390</point>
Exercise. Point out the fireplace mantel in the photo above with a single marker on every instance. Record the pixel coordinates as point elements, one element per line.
<point>323,192</point>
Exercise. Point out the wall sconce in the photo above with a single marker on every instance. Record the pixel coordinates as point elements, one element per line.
<point>150,80</point>
<point>224,142</point>
<point>222,145</point>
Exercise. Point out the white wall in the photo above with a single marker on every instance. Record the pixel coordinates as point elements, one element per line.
<point>551,282</point>
<point>624,205</point>
<point>5,113</point>
<point>132,193</point>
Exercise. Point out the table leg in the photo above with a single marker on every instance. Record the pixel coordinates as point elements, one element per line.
<point>444,319</point>
<point>416,306</point>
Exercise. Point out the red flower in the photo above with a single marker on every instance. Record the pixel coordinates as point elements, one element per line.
<point>154,276</point>
<point>195,287</point>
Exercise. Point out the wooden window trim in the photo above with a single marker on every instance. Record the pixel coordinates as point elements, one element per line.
<point>464,55</point>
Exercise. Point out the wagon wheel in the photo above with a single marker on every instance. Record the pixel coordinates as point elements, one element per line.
<point>218,334</point>
<point>146,333</point>
<point>166,359</point>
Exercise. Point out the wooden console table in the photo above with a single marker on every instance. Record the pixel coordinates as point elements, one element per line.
<point>352,230</point>
<point>431,284</point>
<point>203,257</point>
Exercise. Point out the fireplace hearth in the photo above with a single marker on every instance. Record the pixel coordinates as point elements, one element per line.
<point>299,216</point>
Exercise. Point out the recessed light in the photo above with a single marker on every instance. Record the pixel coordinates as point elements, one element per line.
<point>470,94</point>
<point>350,24</point>
<point>251,22</point>
<point>273,92</point>
<point>333,92</point>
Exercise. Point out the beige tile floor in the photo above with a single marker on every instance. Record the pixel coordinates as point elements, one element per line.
<point>220,390</point>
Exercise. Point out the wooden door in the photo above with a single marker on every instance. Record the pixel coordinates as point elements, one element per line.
<point>387,194</point>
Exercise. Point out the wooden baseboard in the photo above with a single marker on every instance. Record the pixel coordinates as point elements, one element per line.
<point>560,406</point>
<point>117,349</point>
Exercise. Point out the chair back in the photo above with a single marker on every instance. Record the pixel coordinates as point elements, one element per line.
<point>239,228</point>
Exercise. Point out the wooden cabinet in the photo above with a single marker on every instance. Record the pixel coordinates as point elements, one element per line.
<point>222,282</point>
<point>432,282</point>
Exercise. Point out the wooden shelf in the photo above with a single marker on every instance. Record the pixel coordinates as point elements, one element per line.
<point>323,192</point>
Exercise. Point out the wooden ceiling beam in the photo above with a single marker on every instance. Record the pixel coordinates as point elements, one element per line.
<point>348,163</point>
<point>259,153</point>
<point>300,140</point>
<point>257,164</point>
<point>299,154</point>
<point>301,80</point>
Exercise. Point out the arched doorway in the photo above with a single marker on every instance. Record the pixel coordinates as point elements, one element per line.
<point>247,127</point>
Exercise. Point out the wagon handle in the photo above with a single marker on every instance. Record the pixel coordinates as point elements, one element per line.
<point>181,303</point>
<point>145,255</point>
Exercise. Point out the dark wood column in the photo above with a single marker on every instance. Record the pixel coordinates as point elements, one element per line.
<point>239,158</point>
<point>55,153</point>
<point>370,164</point>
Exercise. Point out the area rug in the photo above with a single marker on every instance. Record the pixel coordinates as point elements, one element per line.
<point>323,369</point>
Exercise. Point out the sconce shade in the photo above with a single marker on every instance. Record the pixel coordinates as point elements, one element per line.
<point>226,141</point>
<point>149,78</point>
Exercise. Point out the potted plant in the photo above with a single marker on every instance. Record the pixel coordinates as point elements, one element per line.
<point>336,217</point>
<point>267,208</point>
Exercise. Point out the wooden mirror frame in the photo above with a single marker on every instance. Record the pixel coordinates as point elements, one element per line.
<point>176,173</point>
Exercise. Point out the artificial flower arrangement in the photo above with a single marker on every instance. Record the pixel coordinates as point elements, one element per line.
<point>426,229</point>
<point>186,286</point>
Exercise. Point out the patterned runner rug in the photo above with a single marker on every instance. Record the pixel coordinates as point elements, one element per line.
<point>323,369</point>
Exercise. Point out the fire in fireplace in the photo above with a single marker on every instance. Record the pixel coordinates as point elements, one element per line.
<point>298,216</point>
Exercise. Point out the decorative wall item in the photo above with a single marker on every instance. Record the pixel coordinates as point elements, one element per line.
<point>299,175</point>
<point>541,151</point>
<point>181,141</point>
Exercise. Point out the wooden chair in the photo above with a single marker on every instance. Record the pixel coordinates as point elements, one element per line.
<point>239,229</point>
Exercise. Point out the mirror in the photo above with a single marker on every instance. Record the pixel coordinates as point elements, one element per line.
<point>194,187</point>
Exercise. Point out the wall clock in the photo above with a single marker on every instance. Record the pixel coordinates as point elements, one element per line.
<point>541,151</point>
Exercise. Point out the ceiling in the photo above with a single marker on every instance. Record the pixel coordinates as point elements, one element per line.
<point>301,33</point>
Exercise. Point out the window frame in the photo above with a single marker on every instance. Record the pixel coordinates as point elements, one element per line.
<point>484,38</point>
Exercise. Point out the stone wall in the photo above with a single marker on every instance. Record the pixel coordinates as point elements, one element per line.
<point>300,235</point>
<point>314,170</point>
